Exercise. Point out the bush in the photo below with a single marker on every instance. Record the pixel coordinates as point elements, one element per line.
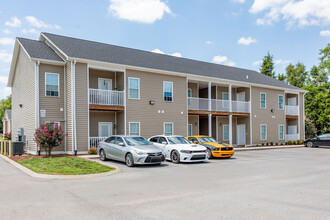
<point>267,144</point>
<point>301,142</point>
<point>92,150</point>
<point>7,136</point>
<point>271,143</point>
<point>281,143</point>
<point>243,145</point>
<point>289,143</point>
<point>276,144</point>
<point>262,144</point>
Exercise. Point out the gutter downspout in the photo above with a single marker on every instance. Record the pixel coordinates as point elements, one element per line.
<point>73,90</point>
<point>37,119</point>
<point>75,113</point>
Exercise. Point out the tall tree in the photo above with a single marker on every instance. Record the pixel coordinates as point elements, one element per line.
<point>324,67</point>
<point>4,105</point>
<point>267,66</point>
<point>281,77</point>
<point>296,75</point>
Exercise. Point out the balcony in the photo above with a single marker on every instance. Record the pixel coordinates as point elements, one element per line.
<point>106,99</point>
<point>291,110</point>
<point>217,105</point>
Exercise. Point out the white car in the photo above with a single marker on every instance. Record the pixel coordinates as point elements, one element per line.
<point>179,149</point>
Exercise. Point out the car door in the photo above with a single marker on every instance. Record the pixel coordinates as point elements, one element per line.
<point>163,146</point>
<point>327,141</point>
<point>108,147</point>
<point>119,152</point>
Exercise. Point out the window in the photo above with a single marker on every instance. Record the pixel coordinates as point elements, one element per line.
<point>119,140</point>
<point>110,140</point>
<point>154,139</point>
<point>225,132</point>
<point>56,124</point>
<point>225,96</point>
<point>104,84</point>
<point>262,100</point>
<point>281,132</point>
<point>134,128</point>
<point>133,88</point>
<point>280,102</point>
<point>193,140</point>
<point>161,140</point>
<point>168,91</point>
<point>168,128</point>
<point>52,84</point>
<point>263,132</point>
<point>189,92</point>
<point>189,129</point>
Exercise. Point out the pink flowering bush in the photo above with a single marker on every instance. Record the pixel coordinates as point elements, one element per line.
<point>49,136</point>
<point>7,136</point>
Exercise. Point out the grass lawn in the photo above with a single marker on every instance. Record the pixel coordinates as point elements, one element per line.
<point>64,166</point>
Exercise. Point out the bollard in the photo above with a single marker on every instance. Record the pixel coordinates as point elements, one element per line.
<point>9,149</point>
<point>1,151</point>
<point>5,146</point>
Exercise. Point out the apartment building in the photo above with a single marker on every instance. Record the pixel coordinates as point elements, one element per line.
<point>94,90</point>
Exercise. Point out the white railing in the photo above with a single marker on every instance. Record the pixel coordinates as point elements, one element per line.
<point>106,97</point>
<point>93,141</point>
<point>291,110</point>
<point>291,137</point>
<point>202,104</point>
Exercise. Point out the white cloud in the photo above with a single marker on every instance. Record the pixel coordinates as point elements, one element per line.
<point>5,56</point>
<point>33,21</point>
<point>157,51</point>
<point>3,79</point>
<point>14,22</point>
<point>209,42</point>
<point>325,33</point>
<point>282,62</point>
<point>4,92</point>
<point>238,1</point>
<point>302,13</point>
<point>175,54</point>
<point>6,31</point>
<point>30,31</point>
<point>7,41</point>
<point>143,11</point>
<point>246,41</point>
<point>257,63</point>
<point>223,60</point>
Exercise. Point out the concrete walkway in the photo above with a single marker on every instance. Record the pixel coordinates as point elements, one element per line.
<point>267,147</point>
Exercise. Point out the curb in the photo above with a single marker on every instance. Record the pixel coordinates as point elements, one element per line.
<point>63,177</point>
<point>268,148</point>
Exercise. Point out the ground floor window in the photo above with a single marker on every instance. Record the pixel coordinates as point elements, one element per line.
<point>281,132</point>
<point>134,128</point>
<point>189,129</point>
<point>168,128</point>
<point>225,132</point>
<point>263,132</point>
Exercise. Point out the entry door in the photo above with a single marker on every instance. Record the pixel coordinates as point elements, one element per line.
<point>105,129</point>
<point>105,84</point>
<point>292,101</point>
<point>292,129</point>
<point>241,134</point>
<point>240,97</point>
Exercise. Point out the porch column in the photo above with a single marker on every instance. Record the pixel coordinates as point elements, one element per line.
<point>230,129</point>
<point>210,125</point>
<point>229,94</point>
<point>209,96</point>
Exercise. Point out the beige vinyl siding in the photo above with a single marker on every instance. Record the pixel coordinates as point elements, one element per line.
<point>246,91</point>
<point>220,90</point>
<point>52,104</point>
<point>95,117</point>
<point>301,116</point>
<point>82,108</point>
<point>23,92</point>
<point>120,123</point>
<point>191,120</point>
<point>194,89</point>
<point>69,107</point>
<point>264,116</point>
<point>151,88</point>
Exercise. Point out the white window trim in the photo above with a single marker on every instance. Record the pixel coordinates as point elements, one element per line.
<point>223,132</point>
<point>278,102</point>
<point>58,81</point>
<point>98,81</point>
<point>172,127</point>
<point>164,91</point>
<point>279,137</point>
<point>129,127</point>
<point>265,100</point>
<point>189,89</point>
<point>261,132</point>
<point>129,93</point>
<point>223,96</point>
<point>190,129</point>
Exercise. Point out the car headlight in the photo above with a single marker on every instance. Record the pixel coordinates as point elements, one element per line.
<point>141,152</point>
<point>186,151</point>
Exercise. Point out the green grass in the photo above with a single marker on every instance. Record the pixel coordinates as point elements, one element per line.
<point>64,166</point>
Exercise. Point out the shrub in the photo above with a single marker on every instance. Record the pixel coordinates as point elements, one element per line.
<point>92,150</point>
<point>301,142</point>
<point>7,136</point>
<point>281,143</point>
<point>290,143</point>
<point>276,144</point>
<point>262,144</point>
<point>267,144</point>
<point>243,145</point>
<point>271,143</point>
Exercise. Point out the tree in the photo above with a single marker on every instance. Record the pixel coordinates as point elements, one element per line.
<point>324,67</point>
<point>296,75</point>
<point>5,104</point>
<point>281,77</point>
<point>267,66</point>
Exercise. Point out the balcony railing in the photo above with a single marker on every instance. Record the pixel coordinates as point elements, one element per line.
<point>291,137</point>
<point>106,97</point>
<point>291,110</point>
<point>93,141</point>
<point>202,104</point>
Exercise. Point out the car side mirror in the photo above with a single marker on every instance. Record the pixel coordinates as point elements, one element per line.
<point>121,144</point>
<point>196,142</point>
<point>164,142</point>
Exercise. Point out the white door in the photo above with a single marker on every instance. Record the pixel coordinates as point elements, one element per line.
<point>240,97</point>
<point>105,129</point>
<point>241,134</point>
<point>292,129</point>
<point>292,101</point>
<point>105,84</point>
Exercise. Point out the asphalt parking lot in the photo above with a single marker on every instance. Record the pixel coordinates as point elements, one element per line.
<point>263,184</point>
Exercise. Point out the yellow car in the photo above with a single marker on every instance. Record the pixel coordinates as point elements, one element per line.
<point>214,148</point>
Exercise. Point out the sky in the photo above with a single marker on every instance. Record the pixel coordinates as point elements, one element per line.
<point>231,32</point>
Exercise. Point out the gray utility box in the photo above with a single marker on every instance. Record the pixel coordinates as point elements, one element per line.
<point>17,148</point>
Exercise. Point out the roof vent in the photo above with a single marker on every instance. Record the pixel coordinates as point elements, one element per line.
<point>247,76</point>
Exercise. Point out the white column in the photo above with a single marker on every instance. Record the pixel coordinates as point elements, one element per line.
<point>229,94</point>
<point>210,125</point>
<point>230,129</point>
<point>209,96</point>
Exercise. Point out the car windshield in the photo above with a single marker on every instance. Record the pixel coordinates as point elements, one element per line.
<point>323,136</point>
<point>178,140</point>
<point>207,139</point>
<point>136,141</point>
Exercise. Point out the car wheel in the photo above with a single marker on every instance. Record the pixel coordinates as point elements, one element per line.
<point>209,154</point>
<point>310,144</point>
<point>129,160</point>
<point>175,156</point>
<point>103,157</point>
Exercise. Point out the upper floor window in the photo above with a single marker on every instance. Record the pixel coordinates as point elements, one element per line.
<point>52,84</point>
<point>262,100</point>
<point>280,102</point>
<point>189,92</point>
<point>133,88</point>
<point>168,91</point>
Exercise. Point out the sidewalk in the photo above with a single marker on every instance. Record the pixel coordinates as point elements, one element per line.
<point>267,147</point>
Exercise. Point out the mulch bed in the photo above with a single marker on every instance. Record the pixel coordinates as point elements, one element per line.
<point>29,156</point>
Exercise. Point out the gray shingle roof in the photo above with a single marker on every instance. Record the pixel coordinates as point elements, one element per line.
<point>39,50</point>
<point>8,113</point>
<point>78,48</point>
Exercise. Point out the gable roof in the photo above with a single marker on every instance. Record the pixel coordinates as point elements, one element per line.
<point>7,115</point>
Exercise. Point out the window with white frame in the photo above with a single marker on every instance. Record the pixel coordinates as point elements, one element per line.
<point>133,88</point>
<point>168,128</point>
<point>262,100</point>
<point>263,132</point>
<point>168,91</point>
<point>134,128</point>
<point>225,97</point>
<point>281,132</point>
<point>52,84</point>
<point>189,129</point>
<point>225,132</point>
<point>280,102</point>
<point>189,92</point>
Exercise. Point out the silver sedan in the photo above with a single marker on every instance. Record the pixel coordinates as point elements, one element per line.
<point>130,149</point>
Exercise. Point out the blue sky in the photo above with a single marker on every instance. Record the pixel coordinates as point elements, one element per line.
<point>231,32</point>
